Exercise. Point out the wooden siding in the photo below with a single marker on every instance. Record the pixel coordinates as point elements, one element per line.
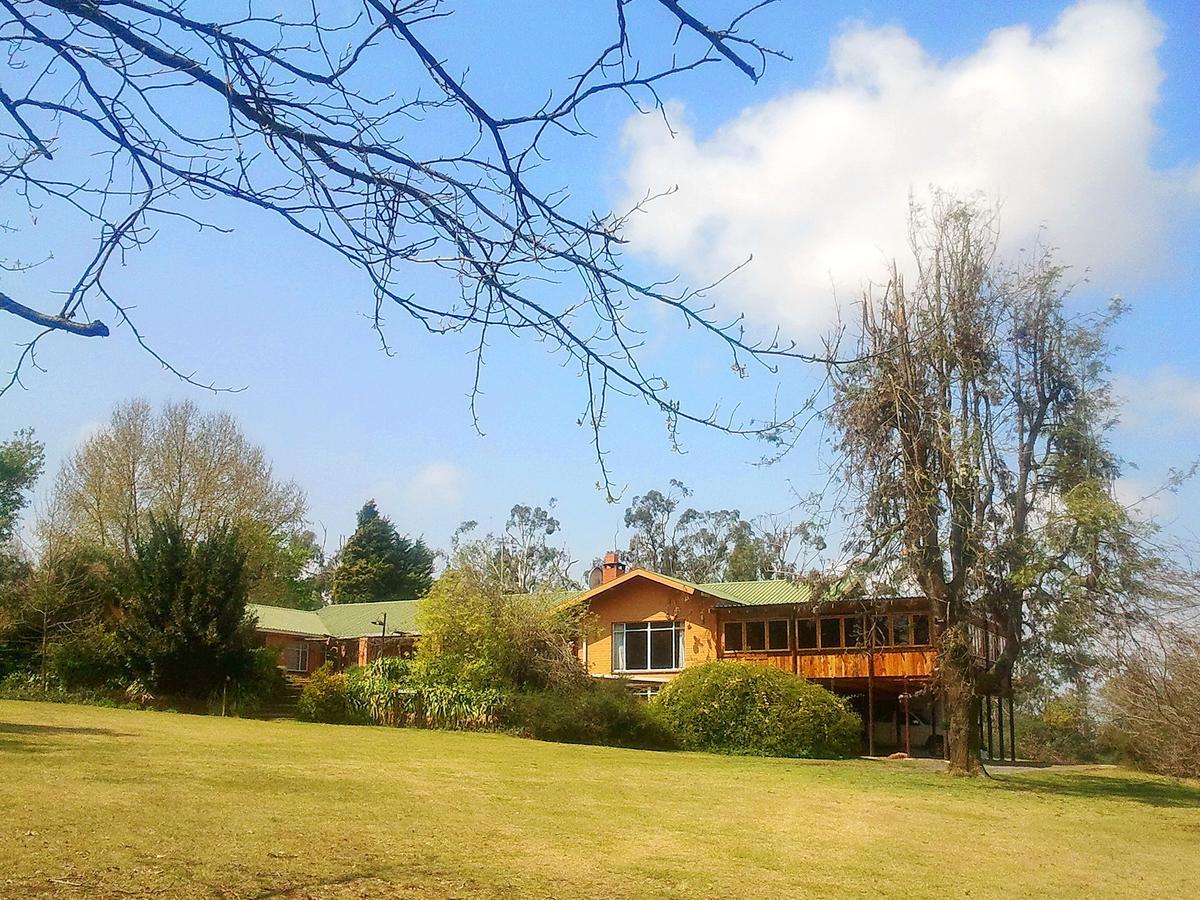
<point>852,664</point>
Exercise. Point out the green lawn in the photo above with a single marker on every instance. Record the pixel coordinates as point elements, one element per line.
<point>99,803</point>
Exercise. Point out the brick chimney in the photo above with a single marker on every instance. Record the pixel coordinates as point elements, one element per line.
<point>613,568</point>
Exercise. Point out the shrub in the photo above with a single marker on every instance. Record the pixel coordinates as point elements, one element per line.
<point>396,692</point>
<point>326,698</point>
<point>472,634</point>
<point>90,659</point>
<point>741,708</point>
<point>1062,731</point>
<point>590,712</point>
<point>259,684</point>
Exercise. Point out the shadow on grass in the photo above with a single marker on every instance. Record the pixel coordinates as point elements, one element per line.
<point>15,737</point>
<point>1152,792</point>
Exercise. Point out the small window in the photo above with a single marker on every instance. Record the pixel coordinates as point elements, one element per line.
<point>902,630</point>
<point>920,627</point>
<point>295,658</point>
<point>733,637</point>
<point>831,633</point>
<point>777,635</point>
<point>756,635</point>
<point>806,634</point>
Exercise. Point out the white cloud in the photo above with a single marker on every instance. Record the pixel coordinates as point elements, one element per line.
<point>437,484</point>
<point>1163,400</point>
<point>1144,498</point>
<point>1058,126</point>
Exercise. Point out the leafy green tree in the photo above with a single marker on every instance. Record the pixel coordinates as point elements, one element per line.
<point>377,563</point>
<point>712,545</point>
<point>70,590</point>
<point>182,464</point>
<point>21,460</point>
<point>184,630</point>
<point>972,437</point>
<point>520,560</point>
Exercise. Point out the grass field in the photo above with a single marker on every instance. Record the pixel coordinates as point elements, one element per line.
<point>100,803</point>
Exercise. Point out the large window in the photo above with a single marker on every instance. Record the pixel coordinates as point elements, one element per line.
<point>295,657</point>
<point>647,646</point>
<point>757,636</point>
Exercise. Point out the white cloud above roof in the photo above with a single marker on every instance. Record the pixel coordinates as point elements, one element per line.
<point>1057,126</point>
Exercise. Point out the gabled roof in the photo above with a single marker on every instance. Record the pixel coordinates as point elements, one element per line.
<point>341,620</point>
<point>772,592</point>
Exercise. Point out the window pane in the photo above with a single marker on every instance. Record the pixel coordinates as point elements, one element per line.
<point>637,647</point>
<point>679,645</point>
<point>831,632</point>
<point>662,648</point>
<point>920,629</point>
<point>806,634</point>
<point>902,630</point>
<point>855,636</point>
<point>777,635</point>
<point>756,635</point>
<point>733,636</point>
<point>881,631</point>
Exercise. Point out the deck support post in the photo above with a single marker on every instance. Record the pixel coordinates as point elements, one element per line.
<point>1012,724</point>
<point>987,701</point>
<point>1000,719</point>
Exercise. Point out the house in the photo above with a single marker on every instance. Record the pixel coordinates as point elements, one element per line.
<point>347,634</point>
<point>645,628</point>
<point>878,652</point>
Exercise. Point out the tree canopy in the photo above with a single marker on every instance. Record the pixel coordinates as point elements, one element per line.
<point>195,469</point>
<point>521,559</point>
<point>378,563</point>
<point>184,628</point>
<point>971,432</point>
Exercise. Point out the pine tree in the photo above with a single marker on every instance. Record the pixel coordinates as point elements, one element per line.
<point>184,629</point>
<point>378,563</point>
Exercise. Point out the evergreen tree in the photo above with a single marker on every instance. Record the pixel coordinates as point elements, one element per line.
<point>184,629</point>
<point>377,563</point>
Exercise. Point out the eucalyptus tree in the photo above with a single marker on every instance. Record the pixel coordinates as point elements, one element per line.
<point>972,438</point>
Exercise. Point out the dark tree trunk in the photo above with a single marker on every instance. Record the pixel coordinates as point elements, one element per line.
<point>962,705</point>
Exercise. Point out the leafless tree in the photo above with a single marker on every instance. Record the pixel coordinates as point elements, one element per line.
<point>354,128</point>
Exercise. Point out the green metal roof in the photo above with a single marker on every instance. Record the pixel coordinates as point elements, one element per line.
<point>759,593</point>
<point>292,621</point>
<point>341,620</point>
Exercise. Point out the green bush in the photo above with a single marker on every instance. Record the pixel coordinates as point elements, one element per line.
<point>1062,731</point>
<point>90,659</point>
<point>741,708</point>
<point>396,692</point>
<point>256,687</point>
<point>592,712</point>
<point>326,698</point>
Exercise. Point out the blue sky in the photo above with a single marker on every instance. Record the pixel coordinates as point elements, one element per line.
<point>1115,166</point>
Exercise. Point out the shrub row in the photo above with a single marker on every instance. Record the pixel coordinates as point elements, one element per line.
<point>722,707</point>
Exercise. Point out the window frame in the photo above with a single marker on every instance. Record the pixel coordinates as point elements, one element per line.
<point>648,627</point>
<point>301,651</point>
<point>740,625</point>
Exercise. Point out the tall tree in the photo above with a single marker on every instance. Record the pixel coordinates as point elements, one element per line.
<point>195,469</point>
<point>971,433</point>
<point>520,560</point>
<point>21,459</point>
<point>184,628</point>
<point>157,107</point>
<point>377,563</point>
<point>708,545</point>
